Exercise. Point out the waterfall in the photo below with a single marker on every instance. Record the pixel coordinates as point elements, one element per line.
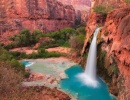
<point>91,61</point>
<point>89,77</point>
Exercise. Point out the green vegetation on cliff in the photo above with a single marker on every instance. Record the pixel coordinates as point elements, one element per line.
<point>25,38</point>
<point>8,58</point>
<point>127,1</point>
<point>101,9</point>
<point>67,37</point>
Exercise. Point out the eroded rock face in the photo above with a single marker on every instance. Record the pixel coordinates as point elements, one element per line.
<point>45,15</point>
<point>82,8</point>
<point>94,21</point>
<point>116,43</point>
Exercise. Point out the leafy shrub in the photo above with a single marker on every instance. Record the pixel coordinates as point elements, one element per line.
<point>60,42</point>
<point>23,55</point>
<point>42,53</point>
<point>16,65</point>
<point>26,74</point>
<point>77,42</point>
<point>10,59</point>
<point>81,30</point>
<point>32,56</point>
<point>44,45</point>
<point>18,55</point>
<point>100,9</point>
<point>36,35</point>
<point>62,36</point>
<point>52,54</point>
<point>127,1</point>
<point>5,55</point>
<point>26,38</point>
<point>48,44</point>
<point>66,44</point>
<point>9,46</point>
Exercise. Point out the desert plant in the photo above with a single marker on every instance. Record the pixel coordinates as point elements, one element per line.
<point>127,1</point>
<point>101,9</point>
<point>9,81</point>
<point>77,42</point>
<point>81,30</point>
<point>26,74</point>
<point>10,59</point>
<point>26,38</point>
<point>11,87</point>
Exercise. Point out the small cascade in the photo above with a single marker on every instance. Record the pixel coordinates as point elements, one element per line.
<point>89,77</point>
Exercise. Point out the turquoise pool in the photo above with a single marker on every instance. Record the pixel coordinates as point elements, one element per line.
<point>75,87</point>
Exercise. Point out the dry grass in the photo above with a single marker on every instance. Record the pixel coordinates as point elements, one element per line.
<point>11,88</point>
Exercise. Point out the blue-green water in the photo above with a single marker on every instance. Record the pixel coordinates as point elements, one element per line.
<point>27,63</point>
<point>73,85</point>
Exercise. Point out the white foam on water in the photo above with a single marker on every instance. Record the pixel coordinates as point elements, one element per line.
<point>30,63</point>
<point>87,80</point>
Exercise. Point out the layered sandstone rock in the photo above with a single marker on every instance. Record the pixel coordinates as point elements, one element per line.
<point>82,8</point>
<point>116,43</point>
<point>45,15</point>
<point>117,39</point>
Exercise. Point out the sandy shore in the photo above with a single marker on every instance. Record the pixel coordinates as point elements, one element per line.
<point>29,50</point>
<point>60,50</point>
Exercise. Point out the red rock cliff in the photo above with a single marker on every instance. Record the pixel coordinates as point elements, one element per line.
<point>116,43</point>
<point>82,8</point>
<point>45,15</point>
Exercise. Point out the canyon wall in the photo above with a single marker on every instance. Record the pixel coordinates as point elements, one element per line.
<point>113,48</point>
<point>82,8</point>
<point>45,15</point>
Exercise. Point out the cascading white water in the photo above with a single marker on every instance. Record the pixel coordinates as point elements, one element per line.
<point>91,61</point>
<point>89,77</point>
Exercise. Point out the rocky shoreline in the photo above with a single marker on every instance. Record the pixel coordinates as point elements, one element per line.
<point>50,83</point>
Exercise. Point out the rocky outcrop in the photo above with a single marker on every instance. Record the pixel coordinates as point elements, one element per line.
<point>115,48</point>
<point>117,37</point>
<point>45,15</point>
<point>82,8</point>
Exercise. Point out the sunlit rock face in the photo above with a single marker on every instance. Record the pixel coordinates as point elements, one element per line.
<point>45,15</point>
<point>82,8</point>
<point>116,42</point>
<point>118,46</point>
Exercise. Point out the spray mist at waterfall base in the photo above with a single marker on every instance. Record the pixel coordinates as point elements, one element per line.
<point>87,80</point>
